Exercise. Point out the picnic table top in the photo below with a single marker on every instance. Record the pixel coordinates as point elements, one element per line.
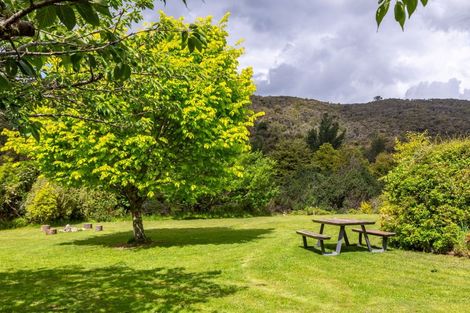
<point>342,221</point>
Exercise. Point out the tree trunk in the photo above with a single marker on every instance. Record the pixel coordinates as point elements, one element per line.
<point>136,203</point>
<point>139,235</point>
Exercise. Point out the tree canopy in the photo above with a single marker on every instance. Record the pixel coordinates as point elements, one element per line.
<point>50,50</point>
<point>174,129</point>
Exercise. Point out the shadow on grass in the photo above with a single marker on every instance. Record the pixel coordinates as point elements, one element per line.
<point>330,247</point>
<point>110,289</point>
<point>169,237</point>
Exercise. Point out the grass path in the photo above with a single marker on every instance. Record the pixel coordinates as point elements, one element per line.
<point>224,265</point>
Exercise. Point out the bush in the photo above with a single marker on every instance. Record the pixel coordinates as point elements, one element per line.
<point>290,156</point>
<point>41,203</point>
<point>297,190</point>
<point>257,187</point>
<point>346,182</point>
<point>427,195</point>
<point>333,179</point>
<point>294,174</point>
<point>16,179</point>
<point>384,162</point>
<point>377,146</point>
<point>49,202</point>
<point>327,132</point>
<point>99,205</point>
<point>250,193</point>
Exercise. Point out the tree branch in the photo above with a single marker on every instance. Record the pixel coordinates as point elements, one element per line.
<point>90,49</point>
<point>34,6</point>
<point>91,80</point>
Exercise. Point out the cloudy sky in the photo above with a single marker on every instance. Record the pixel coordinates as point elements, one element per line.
<point>330,49</point>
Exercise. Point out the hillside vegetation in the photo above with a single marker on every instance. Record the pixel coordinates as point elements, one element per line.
<point>293,117</point>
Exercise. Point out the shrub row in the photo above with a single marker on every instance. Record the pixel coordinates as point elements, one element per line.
<point>26,197</point>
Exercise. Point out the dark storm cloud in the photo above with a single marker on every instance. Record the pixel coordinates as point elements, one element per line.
<point>330,49</point>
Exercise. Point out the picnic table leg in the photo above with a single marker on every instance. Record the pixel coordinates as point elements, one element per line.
<point>341,234</point>
<point>305,241</point>
<point>366,238</point>
<point>360,240</point>
<point>384,243</point>
<point>322,227</point>
<point>340,240</point>
<point>346,240</point>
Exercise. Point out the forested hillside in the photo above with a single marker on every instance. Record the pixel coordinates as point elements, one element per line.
<point>293,117</point>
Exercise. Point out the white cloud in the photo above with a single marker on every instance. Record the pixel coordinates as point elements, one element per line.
<point>330,49</point>
<point>430,90</point>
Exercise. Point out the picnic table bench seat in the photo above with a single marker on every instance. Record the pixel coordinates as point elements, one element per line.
<point>319,237</point>
<point>375,232</point>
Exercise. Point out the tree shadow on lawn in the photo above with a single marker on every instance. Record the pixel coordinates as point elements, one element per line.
<point>170,237</point>
<point>109,289</point>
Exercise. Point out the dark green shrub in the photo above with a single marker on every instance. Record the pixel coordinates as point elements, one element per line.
<point>334,179</point>
<point>256,187</point>
<point>99,205</point>
<point>384,162</point>
<point>16,179</point>
<point>294,174</point>
<point>327,132</point>
<point>249,193</point>
<point>377,145</point>
<point>427,195</point>
<point>297,190</point>
<point>343,180</point>
<point>290,156</point>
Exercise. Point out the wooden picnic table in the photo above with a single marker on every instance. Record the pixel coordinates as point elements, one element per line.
<point>342,223</point>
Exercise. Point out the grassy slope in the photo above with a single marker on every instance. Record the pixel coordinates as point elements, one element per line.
<point>227,265</point>
<point>293,117</point>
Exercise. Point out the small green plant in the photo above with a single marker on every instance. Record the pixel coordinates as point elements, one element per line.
<point>366,207</point>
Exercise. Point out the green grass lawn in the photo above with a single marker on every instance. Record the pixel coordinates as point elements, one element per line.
<point>222,265</point>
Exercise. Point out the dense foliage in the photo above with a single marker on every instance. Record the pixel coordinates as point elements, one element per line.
<point>26,198</point>
<point>333,179</point>
<point>291,118</point>
<point>428,194</point>
<point>88,38</point>
<point>344,179</point>
<point>42,203</point>
<point>177,134</point>
<point>327,132</point>
<point>251,192</point>
<point>16,179</point>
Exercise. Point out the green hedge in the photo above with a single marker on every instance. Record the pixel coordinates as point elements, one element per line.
<point>427,195</point>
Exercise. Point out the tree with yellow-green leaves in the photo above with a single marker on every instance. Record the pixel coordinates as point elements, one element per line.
<point>175,127</point>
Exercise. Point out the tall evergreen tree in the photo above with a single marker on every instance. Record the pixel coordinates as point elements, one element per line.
<point>327,132</point>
